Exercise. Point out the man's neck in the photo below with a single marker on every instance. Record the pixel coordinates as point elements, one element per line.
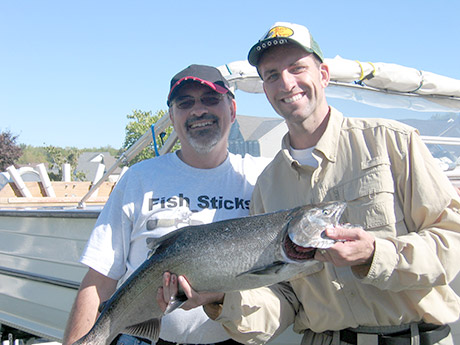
<point>307,134</point>
<point>209,160</point>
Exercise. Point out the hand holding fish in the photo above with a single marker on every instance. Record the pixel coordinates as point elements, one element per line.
<point>168,298</point>
<point>354,246</point>
<point>168,291</point>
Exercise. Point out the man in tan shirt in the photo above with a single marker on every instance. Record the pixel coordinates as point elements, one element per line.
<point>386,280</point>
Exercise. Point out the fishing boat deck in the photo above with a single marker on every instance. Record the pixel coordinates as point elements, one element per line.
<point>68,194</point>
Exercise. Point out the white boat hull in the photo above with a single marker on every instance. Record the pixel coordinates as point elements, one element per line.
<point>39,269</point>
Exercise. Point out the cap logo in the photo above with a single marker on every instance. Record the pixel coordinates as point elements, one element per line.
<point>280,31</point>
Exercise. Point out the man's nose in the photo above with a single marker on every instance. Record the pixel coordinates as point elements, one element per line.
<point>199,108</point>
<point>287,81</point>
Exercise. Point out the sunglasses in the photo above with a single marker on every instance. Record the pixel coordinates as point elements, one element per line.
<point>188,102</point>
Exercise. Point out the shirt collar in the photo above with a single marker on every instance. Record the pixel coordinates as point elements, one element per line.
<point>328,144</point>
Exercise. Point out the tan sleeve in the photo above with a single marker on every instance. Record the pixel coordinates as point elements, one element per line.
<point>256,316</point>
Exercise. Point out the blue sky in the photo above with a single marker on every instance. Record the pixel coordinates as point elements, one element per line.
<point>71,71</point>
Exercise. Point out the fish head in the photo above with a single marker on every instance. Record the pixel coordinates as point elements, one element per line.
<point>306,229</point>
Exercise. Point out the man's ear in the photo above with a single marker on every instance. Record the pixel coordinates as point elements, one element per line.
<point>325,76</point>
<point>233,109</point>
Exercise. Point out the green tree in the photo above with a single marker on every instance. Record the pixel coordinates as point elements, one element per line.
<point>9,150</point>
<point>141,122</point>
<point>31,154</point>
<point>57,157</point>
<point>108,148</point>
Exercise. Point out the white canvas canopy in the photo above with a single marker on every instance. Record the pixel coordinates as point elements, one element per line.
<point>379,84</point>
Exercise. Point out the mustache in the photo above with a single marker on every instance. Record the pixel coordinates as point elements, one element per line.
<point>194,119</point>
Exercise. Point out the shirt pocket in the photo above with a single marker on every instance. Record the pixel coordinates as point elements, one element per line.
<point>370,197</point>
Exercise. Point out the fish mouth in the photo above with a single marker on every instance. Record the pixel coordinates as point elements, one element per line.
<point>297,253</point>
<point>316,223</point>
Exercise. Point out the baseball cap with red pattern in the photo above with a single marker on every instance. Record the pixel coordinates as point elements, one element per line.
<point>205,75</point>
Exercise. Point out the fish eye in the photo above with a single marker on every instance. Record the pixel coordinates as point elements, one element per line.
<point>327,212</point>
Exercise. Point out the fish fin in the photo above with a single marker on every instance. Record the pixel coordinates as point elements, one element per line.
<point>273,268</point>
<point>175,302</point>
<point>152,244</point>
<point>149,329</point>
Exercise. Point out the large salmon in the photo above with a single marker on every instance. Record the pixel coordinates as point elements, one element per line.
<point>235,254</point>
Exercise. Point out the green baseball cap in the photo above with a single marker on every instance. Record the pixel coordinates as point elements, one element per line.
<point>281,33</point>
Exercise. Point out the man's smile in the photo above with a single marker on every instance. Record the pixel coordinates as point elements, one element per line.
<point>292,99</point>
<point>201,124</point>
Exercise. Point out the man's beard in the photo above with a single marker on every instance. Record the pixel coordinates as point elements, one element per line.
<point>204,140</point>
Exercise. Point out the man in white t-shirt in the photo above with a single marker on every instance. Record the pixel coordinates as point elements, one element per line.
<point>199,184</point>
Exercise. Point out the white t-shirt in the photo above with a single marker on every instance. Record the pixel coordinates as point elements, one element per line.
<point>304,156</point>
<point>157,196</point>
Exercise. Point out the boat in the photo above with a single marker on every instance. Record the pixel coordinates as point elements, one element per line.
<point>44,225</point>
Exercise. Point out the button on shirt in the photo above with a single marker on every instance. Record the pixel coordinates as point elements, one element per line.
<point>395,190</point>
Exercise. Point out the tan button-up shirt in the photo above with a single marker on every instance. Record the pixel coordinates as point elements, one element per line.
<point>393,188</point>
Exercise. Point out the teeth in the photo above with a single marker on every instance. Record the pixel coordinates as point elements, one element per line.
<point>201,124</point>
<point>293,98</point>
